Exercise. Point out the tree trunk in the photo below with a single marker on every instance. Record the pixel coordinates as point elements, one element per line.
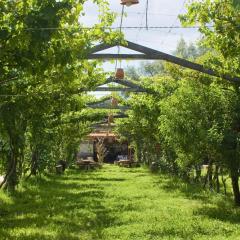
<point>223,181</point>
<point>216,177</point>
<point>34,163</point>
<point>210,175</point>
<point>198,173</point>
<point>144,159</point>
<point>185,176</point>
<point>10,180</point>
<point>205,181</point>
<point>137,152</point>
<point>21,162</point>
<point>208,178</point>
<point>224,185</point>
<point>235,187</point>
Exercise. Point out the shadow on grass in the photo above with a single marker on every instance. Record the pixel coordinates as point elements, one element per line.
<point>91,175</point>
<point>223,214</point>
<point>57,208</point>
<point>191,191</point>
<point>110,179</point>
<point>214,206</point>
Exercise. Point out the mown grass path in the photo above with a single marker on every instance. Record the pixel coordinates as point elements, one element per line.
<point>115,203</point>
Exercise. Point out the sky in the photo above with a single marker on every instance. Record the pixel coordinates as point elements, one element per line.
<point>160,13</point>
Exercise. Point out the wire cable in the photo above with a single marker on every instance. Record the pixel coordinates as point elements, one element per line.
<point>147,14</point>
<point>112,28</point>
<point>120,31</point>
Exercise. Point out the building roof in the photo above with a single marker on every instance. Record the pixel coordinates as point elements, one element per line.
<point>102,135</point>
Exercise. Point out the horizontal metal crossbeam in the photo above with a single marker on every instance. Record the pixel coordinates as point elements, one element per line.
<point>129,87</point>
<point>120,116</point>
<point>151,54</point>
<point>119,56</point>
<point>118,89</point>
<point>123,108</point>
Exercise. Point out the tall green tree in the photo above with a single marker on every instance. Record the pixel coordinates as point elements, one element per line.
<point>42,47</point>
<point>223,37</point>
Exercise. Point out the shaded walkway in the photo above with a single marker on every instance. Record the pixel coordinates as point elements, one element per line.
<point>114,203</point>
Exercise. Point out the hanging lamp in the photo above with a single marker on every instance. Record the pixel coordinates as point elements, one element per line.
<point>129,3</point>
<point>119,73</point>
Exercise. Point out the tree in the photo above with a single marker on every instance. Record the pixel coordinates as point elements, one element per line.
<point>151,69</point>
<point>42,73</point>
<point>223,36</point>
<point>187,51</point>
<point>181,50</point>
<point>132,73</point>
<point>224,39</point>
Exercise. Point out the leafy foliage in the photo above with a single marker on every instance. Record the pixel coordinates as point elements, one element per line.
<point>115,203</point>
<point>193,118</point>
<point>42,78</point>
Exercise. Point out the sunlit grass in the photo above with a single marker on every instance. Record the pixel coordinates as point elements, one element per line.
<point>115,203</point>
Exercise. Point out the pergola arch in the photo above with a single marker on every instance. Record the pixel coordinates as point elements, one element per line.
<point>144,53</point>
<point>152,54</point>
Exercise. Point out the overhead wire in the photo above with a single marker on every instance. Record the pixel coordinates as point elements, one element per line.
<point>111,28</point>
<point>139,28</point>
<point>120,31</point>
<point>121,23</point>
<point>116,64</point>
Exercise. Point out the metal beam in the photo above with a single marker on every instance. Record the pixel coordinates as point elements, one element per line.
<point>118,89</point>
<point>99,101</point>
<point>100,47</point>
<point>118,56</point>
<point>120,116</point>
<point>151,54</point>
<point>131,87</point>
<point>124,108</point>
<point>124,82</point>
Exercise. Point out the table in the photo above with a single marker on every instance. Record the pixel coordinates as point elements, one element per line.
<point>87,164</point>
<point>125,163</point>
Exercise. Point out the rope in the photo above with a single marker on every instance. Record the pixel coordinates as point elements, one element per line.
<point>147,15</point>
<point>120,28</point>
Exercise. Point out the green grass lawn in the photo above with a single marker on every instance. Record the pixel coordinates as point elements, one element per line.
<point>115,203</point>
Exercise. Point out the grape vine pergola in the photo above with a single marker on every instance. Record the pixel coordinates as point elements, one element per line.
<point>144,53</point>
